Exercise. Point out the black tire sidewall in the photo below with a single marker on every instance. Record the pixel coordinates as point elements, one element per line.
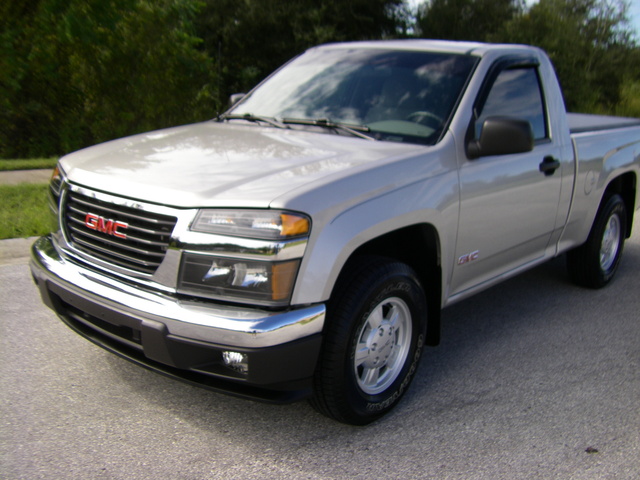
<point>616,209</point>
<point>613,206</point>
<point>583,262</point>
<point>406,288</point>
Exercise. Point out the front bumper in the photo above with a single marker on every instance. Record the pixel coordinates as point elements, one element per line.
<point>182,337</point>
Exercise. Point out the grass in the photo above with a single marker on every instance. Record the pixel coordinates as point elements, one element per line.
<point>24,211</point>
<point>24,208</point>
<point>27,163</point>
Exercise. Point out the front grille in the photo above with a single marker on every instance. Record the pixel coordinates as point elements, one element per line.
<point>139,245</point>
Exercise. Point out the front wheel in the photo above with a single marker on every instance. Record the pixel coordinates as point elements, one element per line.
<point>595,263</point>
<point>374,336</point>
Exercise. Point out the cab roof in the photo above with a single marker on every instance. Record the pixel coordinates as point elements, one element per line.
<point>444,46</point>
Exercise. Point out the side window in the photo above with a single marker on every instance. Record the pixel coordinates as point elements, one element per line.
<point>516,93</point>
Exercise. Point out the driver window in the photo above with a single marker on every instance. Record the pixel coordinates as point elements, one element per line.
<point>516,93</point>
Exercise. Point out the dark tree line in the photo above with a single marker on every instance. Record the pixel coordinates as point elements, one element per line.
<point>589,42</point>
<point>78,72</point>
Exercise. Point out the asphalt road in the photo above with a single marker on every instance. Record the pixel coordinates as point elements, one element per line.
<point>535,379</point>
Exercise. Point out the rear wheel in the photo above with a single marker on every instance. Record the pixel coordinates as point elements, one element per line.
<point>374,336</point>
<point>595,263</point>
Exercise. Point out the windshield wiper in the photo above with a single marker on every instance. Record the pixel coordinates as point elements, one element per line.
<point>355,130</point>
<point>251,118</point>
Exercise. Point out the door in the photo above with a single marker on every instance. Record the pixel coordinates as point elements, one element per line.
<point>508,206</point>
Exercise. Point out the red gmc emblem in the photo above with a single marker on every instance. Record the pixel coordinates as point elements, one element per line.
<point>104,225</point>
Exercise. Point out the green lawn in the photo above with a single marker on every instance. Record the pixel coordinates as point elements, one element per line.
<point>27,163</point>
<point>24,208</point>
<point>24,211</point>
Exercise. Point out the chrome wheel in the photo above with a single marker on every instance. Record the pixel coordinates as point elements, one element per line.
<point>382,346</point>
<point>610,242</point>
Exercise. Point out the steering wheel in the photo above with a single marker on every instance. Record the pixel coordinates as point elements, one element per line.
<point>426,118</point>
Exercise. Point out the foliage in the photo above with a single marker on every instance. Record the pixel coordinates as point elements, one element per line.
<point>83,71</point>
<point>251,38</point>
<point>629,104</point>
<point>78,72</point>
<point>465,19</point>
<point>588,40</point>
<point>588,43</point>
<point>24,211</point>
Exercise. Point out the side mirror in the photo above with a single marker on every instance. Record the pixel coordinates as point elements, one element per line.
<point>235,98</point>
<point>502,136</point>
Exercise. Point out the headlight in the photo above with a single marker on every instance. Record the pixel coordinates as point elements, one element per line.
<point>261,224</point>
<point>260,270</point>
<point>258,282</point>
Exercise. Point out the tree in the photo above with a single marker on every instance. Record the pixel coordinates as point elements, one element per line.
<point>84,71</point>
<point>77,72</point>
<point>589,42</point>
<point>250,38</point>
<point>465,19</point>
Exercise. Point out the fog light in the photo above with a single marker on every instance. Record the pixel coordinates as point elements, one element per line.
<point>236,361</point>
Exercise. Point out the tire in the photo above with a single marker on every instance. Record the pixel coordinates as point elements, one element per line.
<point>594,264</point>
<point>374,336</point>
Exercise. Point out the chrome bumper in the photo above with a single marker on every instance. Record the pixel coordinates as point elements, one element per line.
<point>175,332</point>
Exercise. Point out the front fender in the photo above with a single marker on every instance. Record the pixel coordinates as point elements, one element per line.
<point>433,201</point>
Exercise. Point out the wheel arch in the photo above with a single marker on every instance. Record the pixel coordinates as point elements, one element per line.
<point>418,246</point>
<point>624,185</point>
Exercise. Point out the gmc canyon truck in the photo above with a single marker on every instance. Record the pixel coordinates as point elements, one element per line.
<point>303,244</point>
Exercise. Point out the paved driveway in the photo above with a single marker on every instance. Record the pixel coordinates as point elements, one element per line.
<point>535,379</point>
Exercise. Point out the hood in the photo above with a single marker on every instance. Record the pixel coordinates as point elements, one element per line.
<point>216,164</point>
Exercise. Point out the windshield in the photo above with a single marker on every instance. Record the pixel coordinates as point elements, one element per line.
<point>399,95</point>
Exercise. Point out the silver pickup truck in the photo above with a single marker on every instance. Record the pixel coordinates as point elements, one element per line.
<point>303,243</point>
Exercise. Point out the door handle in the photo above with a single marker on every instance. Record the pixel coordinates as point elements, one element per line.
<point>549,165</point>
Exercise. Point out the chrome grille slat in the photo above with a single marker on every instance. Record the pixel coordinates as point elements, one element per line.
<point>54,188</point>
<point>147,233</point>
<point>88,237</point>
<point>130,215</point>
<point>129,236</point>
<point>110,253</point>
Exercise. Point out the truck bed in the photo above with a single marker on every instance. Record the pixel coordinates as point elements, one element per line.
<point>582,122</point>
